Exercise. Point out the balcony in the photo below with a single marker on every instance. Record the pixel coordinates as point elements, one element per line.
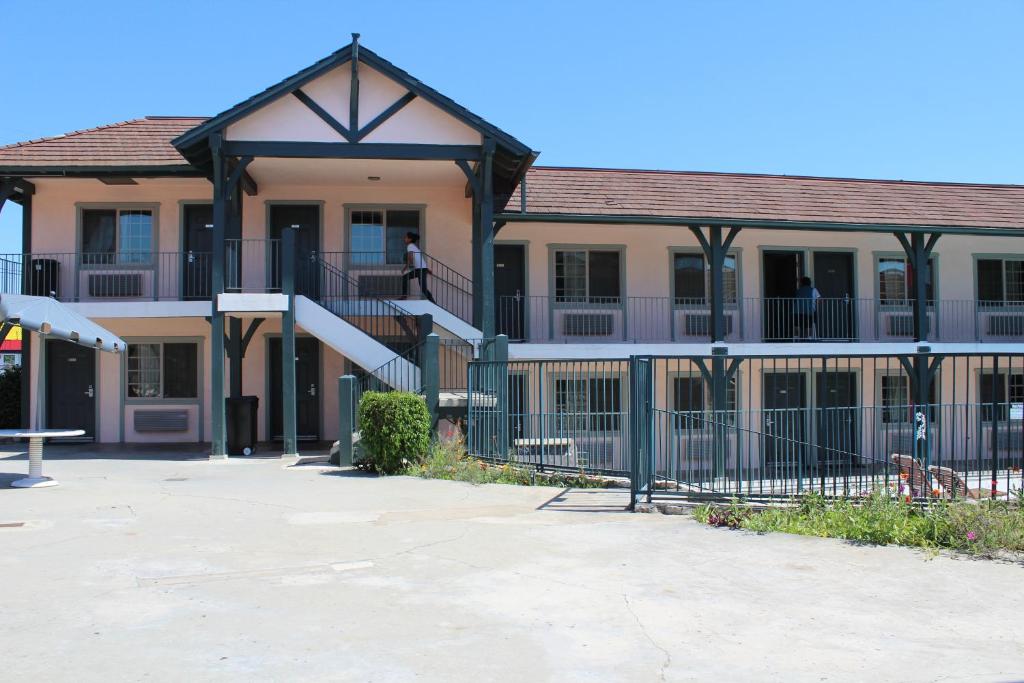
<point>544,319</point>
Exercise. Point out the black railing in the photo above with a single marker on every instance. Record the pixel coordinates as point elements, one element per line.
<point>334,290</point>
<point>383,275</point>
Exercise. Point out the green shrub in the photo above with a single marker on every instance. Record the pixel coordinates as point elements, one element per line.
<point>10,398</point>
<point>977,527</point>
<point>394,428</point>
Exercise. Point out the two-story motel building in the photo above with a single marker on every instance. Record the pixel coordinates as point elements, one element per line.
<point>184,235</point>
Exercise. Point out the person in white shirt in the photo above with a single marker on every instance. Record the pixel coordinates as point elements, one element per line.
<point>415,267</point>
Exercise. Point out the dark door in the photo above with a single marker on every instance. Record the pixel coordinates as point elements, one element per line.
<point>833,278</point>
<point>837,420</point>
<point>782,271</point>
<point>307,245</point>
<point>516,407</point>
<point>197,261</point>
<point>307,389</point>
<point>70,387</point>
<point>509,289</point>
<point>785,430</point>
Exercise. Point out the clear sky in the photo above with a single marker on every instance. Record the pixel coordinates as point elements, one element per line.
<point>911,89</point>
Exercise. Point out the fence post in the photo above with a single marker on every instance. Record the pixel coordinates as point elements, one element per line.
<point>431,377</point>
<point>346,413</point>
<point>501,391</point>
<point>425,325</point>
<point>719,408</point>
<point>291,445</point>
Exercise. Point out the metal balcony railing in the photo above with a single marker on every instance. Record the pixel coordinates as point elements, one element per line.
<point>552,319</point>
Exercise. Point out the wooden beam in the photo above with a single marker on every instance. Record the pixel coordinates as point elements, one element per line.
<point>345,150</point>
<point>324,115</point>
<point>353,92</point>
<point>384,116</point>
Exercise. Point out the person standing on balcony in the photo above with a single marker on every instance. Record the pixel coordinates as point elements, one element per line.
<point>807,296</point>
<point>415,267</point>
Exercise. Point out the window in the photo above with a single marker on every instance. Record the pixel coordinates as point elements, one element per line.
<point>896,281</point>
<point>1000,281</point>
<point>691,394</point>
<point>587,276</point>
<point>163,370</point>
<point>117,236</point>
<point>1004,391</point>
<point>897,403</point>
<point>593,404</point>
<point>692,276</point>
<point>378,235</point>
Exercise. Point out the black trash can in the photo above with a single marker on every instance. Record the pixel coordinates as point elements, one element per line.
<point>241,424</point>
<point>44,279</point>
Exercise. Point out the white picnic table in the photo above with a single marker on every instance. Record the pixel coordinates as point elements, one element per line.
<point>35,478</point>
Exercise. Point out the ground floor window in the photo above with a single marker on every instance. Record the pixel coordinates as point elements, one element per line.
<point>897,403</point>
<point>163,370</point>
<point>1004,392</point>
<point>593,403</point>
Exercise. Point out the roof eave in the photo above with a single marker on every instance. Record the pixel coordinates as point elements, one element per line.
<point>757,223</point>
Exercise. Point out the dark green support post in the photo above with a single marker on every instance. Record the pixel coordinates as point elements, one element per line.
<point>477,239</point>
<point>719,407</point>
<point>346,418</point>
<point>486,289</point>
<point>291,444</point>
<point>918,251</point>
<point>424,325</point>
<point>715,249</point>
<point>431,376</point>
<point>500,367</point>
<point>218,435</point>
<point>922,395</point>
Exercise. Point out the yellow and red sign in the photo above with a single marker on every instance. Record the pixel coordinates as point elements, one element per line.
<point>12,344</point>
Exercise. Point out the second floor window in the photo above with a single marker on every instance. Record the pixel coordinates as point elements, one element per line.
<point>378,235</point>
<point>1000,281</point>
<point>163,370</point>
<point>896,281</point>
<point>587,276</point>
<point>117,236</point>
<point>692,282</point>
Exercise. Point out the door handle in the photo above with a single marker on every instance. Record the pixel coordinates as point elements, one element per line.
<point>191,257</point>
<point>312,390</point>
<point>90,392</point>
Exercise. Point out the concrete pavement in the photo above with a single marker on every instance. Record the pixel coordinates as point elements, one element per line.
<point>165,570</point>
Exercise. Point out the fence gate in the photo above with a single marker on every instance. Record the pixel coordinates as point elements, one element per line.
<point>641,428</point>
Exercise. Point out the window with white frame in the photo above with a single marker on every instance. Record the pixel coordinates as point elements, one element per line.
<point>587,276</point>
<point>896,281</point>
<point>1000,281</point>
<point>377,235</point>
<point>691,274</point>
<point>588,403</point>
<point>117,236</point>
<point>159,370</point>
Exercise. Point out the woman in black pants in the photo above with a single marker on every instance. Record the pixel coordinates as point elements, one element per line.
<point>415,267</point>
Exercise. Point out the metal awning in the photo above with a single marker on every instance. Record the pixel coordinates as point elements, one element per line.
<point>53,319</point>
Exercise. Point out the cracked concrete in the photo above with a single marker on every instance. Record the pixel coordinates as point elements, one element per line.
<point>250,570</point>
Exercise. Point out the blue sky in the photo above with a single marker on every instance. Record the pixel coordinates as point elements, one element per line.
<point>915,89</point>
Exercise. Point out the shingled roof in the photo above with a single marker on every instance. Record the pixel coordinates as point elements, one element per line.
<point>139,143</point>
<point>622,192</point>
